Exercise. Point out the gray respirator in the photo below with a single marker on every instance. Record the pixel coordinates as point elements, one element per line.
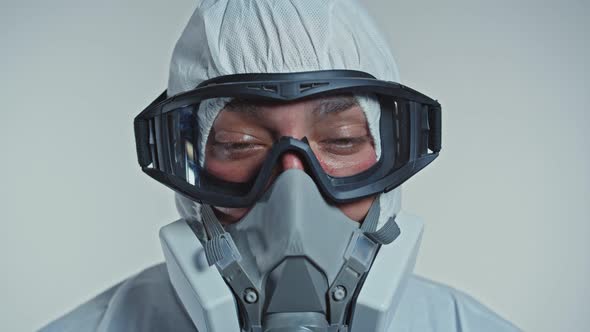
<point>293,263</point>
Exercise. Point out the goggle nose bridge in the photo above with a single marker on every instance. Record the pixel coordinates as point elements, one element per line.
<point>290,144</point>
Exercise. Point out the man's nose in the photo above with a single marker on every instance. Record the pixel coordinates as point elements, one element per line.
<point>290,160</point>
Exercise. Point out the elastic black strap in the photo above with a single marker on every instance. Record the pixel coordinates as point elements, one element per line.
<point>142,134</point>
<point>435,119</point>
<point>141,127</point>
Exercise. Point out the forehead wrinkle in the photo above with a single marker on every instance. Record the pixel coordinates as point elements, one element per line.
<point>242,106</point>
<point>332,105</point>
<point>249,109</point>
<point>279,123</point>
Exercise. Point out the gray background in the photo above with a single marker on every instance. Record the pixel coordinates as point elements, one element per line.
<point>506,204</point>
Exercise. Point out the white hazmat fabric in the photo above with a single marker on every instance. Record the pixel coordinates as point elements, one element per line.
<point>226,37</point>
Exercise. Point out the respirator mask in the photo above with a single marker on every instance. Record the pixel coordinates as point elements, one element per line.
<point>294,262</point>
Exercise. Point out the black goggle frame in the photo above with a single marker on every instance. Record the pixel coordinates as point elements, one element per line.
<point>406,115</point>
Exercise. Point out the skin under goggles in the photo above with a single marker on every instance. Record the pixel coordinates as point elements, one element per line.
<point>167,135</point>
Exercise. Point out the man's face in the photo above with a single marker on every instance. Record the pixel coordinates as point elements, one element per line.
<point>243,133</point>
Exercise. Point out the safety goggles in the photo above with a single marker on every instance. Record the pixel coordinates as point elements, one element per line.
<point>168,135</point>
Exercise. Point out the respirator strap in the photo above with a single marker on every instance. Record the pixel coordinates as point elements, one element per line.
<point>221,250</point>
<point>359,256</point>
<point>384,235</point>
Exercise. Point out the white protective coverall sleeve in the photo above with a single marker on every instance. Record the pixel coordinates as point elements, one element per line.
<point>247,36</point>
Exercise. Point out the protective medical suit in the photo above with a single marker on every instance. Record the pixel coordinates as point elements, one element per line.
<point>237,37</point>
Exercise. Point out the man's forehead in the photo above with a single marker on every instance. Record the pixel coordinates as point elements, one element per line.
<point>319,106</point>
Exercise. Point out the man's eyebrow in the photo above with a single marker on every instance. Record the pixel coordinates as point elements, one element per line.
<point>334,105</point>
<point>243,106</point>
<point>250,109</point>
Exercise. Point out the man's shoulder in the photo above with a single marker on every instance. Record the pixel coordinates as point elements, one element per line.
<point>85,317</point>
<point>144,302</point>
<point>147,302</point>
<point>430,306</point>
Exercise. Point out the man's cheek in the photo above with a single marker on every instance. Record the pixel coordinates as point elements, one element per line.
<point>357,210</point>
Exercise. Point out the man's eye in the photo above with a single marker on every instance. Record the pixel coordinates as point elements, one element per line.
<point>237,146</point>
<point>236,150</point>
<point>346,141</point>
<point>344,145</point>
<point>342,141</point>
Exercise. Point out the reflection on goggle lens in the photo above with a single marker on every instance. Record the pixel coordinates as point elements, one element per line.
<point>243,134</point>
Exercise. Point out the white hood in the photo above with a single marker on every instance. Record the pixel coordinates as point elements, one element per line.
<point>264,36</point>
